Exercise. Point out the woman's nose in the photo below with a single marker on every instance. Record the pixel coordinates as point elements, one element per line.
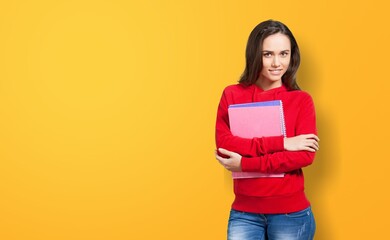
<point>275,62</point>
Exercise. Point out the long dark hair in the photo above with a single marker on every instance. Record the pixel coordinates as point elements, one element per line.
<point>254,59</point>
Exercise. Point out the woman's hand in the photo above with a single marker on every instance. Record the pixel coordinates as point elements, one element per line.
<point>232,162</point>
<point>305,142</point>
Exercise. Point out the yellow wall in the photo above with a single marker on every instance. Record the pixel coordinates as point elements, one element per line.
<point>107,113</point>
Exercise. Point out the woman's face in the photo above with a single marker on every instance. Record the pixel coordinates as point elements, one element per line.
<point>276,55</point>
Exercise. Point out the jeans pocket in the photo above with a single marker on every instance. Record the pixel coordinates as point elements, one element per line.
<point>300,214</point>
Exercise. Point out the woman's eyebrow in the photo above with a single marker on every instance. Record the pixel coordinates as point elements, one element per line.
<point>287,50</point>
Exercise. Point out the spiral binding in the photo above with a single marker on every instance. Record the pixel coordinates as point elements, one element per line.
<point>282,118</point>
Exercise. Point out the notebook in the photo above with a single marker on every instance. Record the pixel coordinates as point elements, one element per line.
<point>257,119</point>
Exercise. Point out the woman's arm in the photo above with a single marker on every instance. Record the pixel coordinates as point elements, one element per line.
<point>256,146</point>
<point>306,142</point>
<point>279,162</point>
<point>283,161</point>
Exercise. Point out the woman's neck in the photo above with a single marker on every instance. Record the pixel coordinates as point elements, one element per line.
<point>267,85</point>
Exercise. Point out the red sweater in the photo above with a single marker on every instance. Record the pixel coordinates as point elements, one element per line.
<point>267,154</point>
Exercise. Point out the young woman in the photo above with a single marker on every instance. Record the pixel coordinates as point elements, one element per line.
<point>270,207</point>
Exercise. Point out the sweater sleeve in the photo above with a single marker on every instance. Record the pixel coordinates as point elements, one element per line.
<point>246,147</point>
<point>286,161</point>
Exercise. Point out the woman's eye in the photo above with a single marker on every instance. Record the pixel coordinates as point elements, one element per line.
<point>284,54</point>
<point>267,54</point>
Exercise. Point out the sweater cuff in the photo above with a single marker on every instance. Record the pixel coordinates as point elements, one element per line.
<point>274,144</point>
<point>249,165</point>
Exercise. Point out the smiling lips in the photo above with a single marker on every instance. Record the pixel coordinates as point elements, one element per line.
<point>275,71</point>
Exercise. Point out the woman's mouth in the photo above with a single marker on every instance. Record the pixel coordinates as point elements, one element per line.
<point>275,71</point>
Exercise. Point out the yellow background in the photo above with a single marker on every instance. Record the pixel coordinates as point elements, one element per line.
<point>107,112</point>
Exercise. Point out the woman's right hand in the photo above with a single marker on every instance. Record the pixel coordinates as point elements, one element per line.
<point>304,142</point>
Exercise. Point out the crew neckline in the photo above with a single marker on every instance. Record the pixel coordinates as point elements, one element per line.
<point>277,89</point>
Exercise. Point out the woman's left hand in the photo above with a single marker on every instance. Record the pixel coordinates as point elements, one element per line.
<point>232,162</point>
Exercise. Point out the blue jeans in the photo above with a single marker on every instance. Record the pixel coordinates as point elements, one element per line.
<point>291,226</point>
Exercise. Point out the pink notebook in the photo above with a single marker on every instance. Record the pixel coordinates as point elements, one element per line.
<point>257,119</point>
